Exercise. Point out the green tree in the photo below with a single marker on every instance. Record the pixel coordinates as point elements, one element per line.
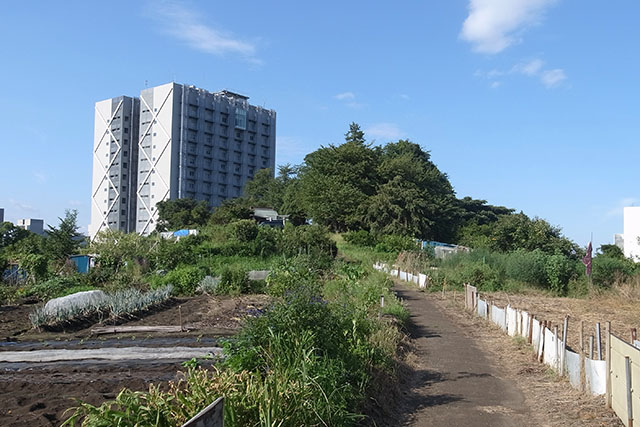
<point>10,234</point>
<point>116,249</point>
<point>182,213</point>
<point>611,251</point>
<point>232,210</point>
<point>264,190</point>
<point>63,240</point>
<point>424,195</point>
<point>337,180</point>
<point>399,208</point>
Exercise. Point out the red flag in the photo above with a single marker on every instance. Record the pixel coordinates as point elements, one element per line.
<point>586,260</point>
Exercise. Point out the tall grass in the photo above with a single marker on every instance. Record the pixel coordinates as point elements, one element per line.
<point>306,361</point>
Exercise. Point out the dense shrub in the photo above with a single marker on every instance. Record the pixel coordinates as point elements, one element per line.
<point>360,238</point>
<point>527,267</point>
<point>290,274</point>
<point>311,240</point>
<point>54,287</point>
<point>185,279</point>
<point>607,270</point>
<point>559,270</point>
<point>233,281</point>
<point>394,243</point>
<point>245,230</point>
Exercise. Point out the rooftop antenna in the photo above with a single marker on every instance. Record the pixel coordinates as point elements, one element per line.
<point>146,84</point>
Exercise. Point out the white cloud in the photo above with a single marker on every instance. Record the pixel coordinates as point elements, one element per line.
<point>40,177</point>
<point>494,25</point>
<point>22,206</point>
<point>345,96</point>
<point>386,131</point>
<point>551,78</point>
<point>186,25</point>
<point>405,96</point>
<point>349,99</point>
<point>530,68</point>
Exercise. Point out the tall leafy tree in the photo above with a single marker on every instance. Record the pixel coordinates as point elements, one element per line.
<point>337,180</point>
<point>429,205</point>
<point>182,213</point>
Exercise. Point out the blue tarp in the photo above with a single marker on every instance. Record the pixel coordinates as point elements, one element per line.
<point>181,233</point>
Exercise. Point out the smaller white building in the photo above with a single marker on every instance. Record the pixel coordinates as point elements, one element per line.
<point>632,232</point>
<point>33,225</point>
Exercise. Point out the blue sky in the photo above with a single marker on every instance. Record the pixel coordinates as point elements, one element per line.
<point>532,104</point>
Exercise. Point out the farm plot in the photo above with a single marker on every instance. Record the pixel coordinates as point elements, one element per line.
<point>38,394</point>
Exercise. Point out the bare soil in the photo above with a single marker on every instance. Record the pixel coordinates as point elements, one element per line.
<point>39,394</point>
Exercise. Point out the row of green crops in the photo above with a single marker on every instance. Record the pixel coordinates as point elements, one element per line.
<point>306,360</point>
<point>115,306</point>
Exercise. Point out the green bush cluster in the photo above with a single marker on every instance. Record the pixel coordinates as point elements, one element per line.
<point>389,243</point>
<point>306,360</point>
<point>557,273</point>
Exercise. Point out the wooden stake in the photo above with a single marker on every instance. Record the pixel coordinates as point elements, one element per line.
<point>634,336</point>
<point>627,369</point>
<point>564,344</point>
<point>591,347</point>
<point>599,340</point>
<point>555,332</point>
<point>530,332</point>
<point>180,316</point>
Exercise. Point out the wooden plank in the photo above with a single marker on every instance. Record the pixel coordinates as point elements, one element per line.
<point>211,416</point>
<point>109,353</point>
<point>101,330</point>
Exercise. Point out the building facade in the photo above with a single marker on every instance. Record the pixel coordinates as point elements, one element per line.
<point>632,232</point>
<point>191,143</point>
<point>33,225</point>
<point>115,165</point>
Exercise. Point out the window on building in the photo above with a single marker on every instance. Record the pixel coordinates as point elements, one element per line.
<point>241,119</point>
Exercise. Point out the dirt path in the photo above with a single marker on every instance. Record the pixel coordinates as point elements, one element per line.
<point>454,383</point>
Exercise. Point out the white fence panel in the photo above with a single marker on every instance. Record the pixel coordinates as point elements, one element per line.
<point>524,330</point>
<point>595,372</point>
<point>550,349</point>
<point>482,308</point>
<point>511,321</point>
<point>498,317</point>
<point>422,280</point>
<point>572,365</point>
<point>403,275</point>
<point>535,335</point>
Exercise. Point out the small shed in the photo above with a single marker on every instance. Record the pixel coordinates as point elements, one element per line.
<point>83,263</point>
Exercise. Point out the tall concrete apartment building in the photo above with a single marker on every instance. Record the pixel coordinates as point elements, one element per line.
<point>190,143</point>
<point>115,165</point>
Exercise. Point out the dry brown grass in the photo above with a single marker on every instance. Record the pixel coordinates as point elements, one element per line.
<point>619,305</point>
